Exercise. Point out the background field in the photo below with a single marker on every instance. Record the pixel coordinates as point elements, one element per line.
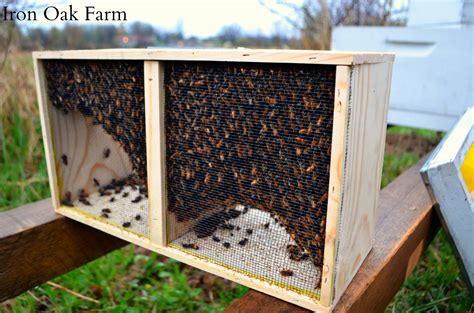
<point>137,280</point>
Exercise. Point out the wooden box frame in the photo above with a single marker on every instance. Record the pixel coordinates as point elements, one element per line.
<point>359,127</point>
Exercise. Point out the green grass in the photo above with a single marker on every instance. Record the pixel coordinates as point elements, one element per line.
<point>435,285</point>
<point>132,279</point>
<point>126,281</point>
<point>394,165</point>
<point>415,131</point>
<point>21,180</point>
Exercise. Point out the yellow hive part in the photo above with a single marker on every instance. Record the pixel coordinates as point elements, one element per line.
<point>467,169</point>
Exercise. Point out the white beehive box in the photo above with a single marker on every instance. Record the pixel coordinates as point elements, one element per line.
<point>449,175</point>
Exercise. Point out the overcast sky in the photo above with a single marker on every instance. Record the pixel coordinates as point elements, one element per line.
<point>199,17</point>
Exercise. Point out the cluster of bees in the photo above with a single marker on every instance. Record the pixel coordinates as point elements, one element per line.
<point>113,187</point>
<point>258,135</point>
<point>112,92</point>
<point>106,214</point>
<point>222,220</point>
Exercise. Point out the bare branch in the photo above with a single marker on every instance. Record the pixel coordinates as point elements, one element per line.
<point>286,18</point>
<point>11,28</point>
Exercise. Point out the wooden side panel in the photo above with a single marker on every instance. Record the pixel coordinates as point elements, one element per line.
<point>156,149</point>
<point>79,148</point>
<point>46,130</point>
<point>341,102</point>
<point>370,90</point>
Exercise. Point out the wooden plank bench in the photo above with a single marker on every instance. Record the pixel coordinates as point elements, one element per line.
<point>37,245</point>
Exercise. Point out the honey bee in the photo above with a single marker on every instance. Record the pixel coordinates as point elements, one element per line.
<point>243,242</point>
<point>67,201</point>
<point>84,201</point>
<point>320,121</point>
<point>207,179</point>
<point>254,171</point>
<point>106,153</point>
<point>64,159</point>
<point>190,246</point>
<point>104,192</point>
<point>286,273</point>
<point>137,199</point>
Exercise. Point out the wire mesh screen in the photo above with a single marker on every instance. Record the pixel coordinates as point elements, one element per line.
<point>98,129</point>
<point>248,155</point>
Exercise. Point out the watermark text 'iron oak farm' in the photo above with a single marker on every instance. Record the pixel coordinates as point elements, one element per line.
<point>53,13</point>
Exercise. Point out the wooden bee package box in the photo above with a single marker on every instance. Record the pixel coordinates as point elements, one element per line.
<point>261,166</point>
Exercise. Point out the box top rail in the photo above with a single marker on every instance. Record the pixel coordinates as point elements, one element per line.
<point>223,55</point>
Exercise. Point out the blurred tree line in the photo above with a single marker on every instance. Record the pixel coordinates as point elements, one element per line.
<point>311,21</point>
<point>315,19</point>
<point>138,35</point>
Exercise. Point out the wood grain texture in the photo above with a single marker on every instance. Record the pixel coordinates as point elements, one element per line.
<point>227,55</point>
<point>406,223</point>
<point>45,116</point>
<point>83,143</point>
<point>37,245</point>
<point>257,302</point>
<point>370,91</point>
<point>338,150</point>
<point>156,149</point>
